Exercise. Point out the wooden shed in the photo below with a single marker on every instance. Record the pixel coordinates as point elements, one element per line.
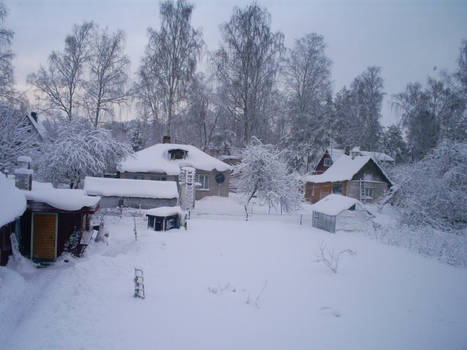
<point>55,220</point>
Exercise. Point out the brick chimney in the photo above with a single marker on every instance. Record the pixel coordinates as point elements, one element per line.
<point>347,150</point>
<point>166,139</point>
<point>23,174</point>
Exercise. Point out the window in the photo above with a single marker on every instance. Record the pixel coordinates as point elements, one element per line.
<point>158,178</point>
<point>327,161</point>
<point>203,180</point>
<point>338,188</point>
<point>313,190</point>
<point>178,153</point>
<point>366,192</point>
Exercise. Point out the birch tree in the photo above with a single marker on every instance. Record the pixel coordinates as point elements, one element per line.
<point>6,57</point>
<point>106,85</point>
<point>246,67</point>
<point>170,60</point>
<point>58,84</point>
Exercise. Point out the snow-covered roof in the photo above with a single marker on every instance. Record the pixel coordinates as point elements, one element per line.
<point>165,211</point>
<point>38,126</point>
<point>334,204</point>
<point>12,201</point>
<point>103,186</point>
<point>342,169</point>
<point>336,153</point>
<point>156,159</point>
<point>64,199</point>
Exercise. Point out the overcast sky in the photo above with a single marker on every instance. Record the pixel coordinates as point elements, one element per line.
<point>407,38</point>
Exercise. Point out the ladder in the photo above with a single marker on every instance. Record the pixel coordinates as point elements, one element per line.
<point>139,284</point>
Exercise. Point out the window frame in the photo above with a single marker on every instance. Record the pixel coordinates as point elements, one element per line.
<point>204,183</point>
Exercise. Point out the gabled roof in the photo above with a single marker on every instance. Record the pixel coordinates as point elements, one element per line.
<point>336,153</point>
<point>334,204</point>
<point>12,201</point>
<point>156,159</point>
<point>343,169</point>
<point>102,186</point>
<point>38,127</point>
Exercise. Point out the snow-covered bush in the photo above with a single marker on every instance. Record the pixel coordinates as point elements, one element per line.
<point>433,191</point>
<point>80,150</point>
<point>264,175</point>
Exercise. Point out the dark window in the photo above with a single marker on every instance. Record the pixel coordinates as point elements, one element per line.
<point>177,153</point>
<point>338,188</point>
<point>327,161</point>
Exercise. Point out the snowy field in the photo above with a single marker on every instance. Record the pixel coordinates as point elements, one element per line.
<point>229,284</point>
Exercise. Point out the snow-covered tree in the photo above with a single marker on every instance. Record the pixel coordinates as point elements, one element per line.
<point>246,67</point>
<point>16,137</point>
<point>6,57</point>
<point>262,174</point>
<point>393,143</point>
<point>433,190</point>
<point>80,150</point>
<point>170,60</point>
<point>106,84</point>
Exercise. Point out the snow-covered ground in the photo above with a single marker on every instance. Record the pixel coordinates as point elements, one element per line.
<point>229,284</point>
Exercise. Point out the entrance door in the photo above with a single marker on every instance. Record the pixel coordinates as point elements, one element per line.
<point>44,231</point>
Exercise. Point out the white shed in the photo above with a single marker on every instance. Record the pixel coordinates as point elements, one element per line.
<point>326,211</point>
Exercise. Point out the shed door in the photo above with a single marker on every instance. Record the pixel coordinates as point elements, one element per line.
<point>44,236</point>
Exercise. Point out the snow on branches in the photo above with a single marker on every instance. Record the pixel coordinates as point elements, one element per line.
<point>80,150</point>
<point>262,174</point>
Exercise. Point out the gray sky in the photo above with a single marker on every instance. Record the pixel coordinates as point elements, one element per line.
<point>406,38</point>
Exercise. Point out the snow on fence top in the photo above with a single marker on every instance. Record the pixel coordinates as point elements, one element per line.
<point>12,201</point>
<point>342,170</point>
<point>334,204</point>
<point>157,159</point>
<point>165,211</point>
<point>103,186</point>
<point>64,199</point>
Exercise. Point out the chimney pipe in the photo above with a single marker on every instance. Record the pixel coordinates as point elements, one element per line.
<point>23,174</point>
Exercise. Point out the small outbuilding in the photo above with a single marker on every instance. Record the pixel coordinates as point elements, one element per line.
<point>165,218</point>
<point>144,194</point>
<point>327,210</point>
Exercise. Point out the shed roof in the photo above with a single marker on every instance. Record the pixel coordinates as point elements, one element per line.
<point>336,153</point>
<point>63,199</point>
<point>156,159</point>
<point>103,186</point>
<point>334,204</point>
<point>12,201</point>
<point>165,211</point>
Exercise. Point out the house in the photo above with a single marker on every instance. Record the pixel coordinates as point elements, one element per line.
<point>131,193</point>
<point>13,205</point>
<point>163,162</point>
<point>328,212</point>
<point>331,155</point>
<point>55,220</point>
<point>359,177</point>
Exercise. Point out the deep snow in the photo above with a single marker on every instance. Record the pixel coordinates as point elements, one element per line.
<point>230,284</point>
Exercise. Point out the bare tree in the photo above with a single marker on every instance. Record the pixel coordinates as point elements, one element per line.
<point>246,66</point>
<point>61,80</point>
<point>6,56</point>
<point>170,60</point>
<point>108,67</point>
<point>308,87</point>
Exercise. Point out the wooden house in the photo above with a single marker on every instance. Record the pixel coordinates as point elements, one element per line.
<point>55,220</point>
<point>331,155</point>
<point>359,177</point>
<point>164,161</point>
<point>144,194</point>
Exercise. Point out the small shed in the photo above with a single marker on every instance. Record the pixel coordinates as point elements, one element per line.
<point>144,194</point>
<point>165,218</point>
<point>326,211</point>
